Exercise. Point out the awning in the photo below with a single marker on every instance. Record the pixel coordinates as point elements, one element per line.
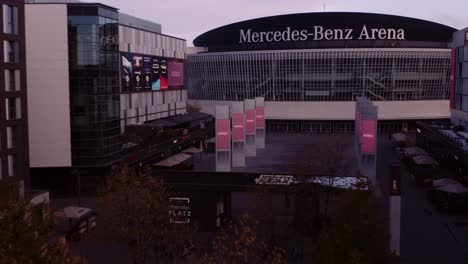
<point>192,151</point>
<point>174,160</point>
<point>399,137</point>
<point>415,151</point>
<point>453,188</point>
<point>443,182</point>
<point>75,212</point>
<point>424,160</point>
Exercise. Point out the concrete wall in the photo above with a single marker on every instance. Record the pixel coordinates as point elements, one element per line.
<point>48,85</point>
<point>150,43</point>
<point>389,110</point>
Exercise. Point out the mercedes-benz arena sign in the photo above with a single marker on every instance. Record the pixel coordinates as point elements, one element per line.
<point>321,33</point>
<point>325,30</point>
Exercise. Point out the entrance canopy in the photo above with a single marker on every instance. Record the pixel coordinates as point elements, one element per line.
<point>174,160</point>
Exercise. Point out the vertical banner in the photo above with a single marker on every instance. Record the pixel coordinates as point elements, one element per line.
<point>163,75</point>
<point>126,72</point>
<point>452,79</point>
<point>137,65</point>
<point>223,139</point>
<point>250,128</point>
<point>176,73</point>
<point>260,122</point>
<point>369,128</point>
<point>222,134</point>
<point>156,85</point>
<point>238,134</point>
<point>147,72</point>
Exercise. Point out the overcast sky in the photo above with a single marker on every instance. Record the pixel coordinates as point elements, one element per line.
<point>189,18</point>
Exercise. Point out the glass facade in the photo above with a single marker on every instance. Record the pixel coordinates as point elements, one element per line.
<point>321,75</point>
<point>461,79</point>
<point>94,84</point>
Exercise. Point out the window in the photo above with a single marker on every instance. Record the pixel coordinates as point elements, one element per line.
<point>12,80</point>
<point>11,51</point>
<point>11,136</point>
<point>10,19</point>
<point>13,108</point>
<point>11,165</point>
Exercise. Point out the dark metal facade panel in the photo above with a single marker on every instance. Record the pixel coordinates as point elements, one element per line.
<point>418,33</point>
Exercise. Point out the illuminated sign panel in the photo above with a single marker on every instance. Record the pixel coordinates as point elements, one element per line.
<point>260,117</point>
<point>274,179</point>
<point>150,73</point>
<point>368,136</point>
<point>179,210</point>
<point>223,127</point>
<point>250,122</point>
<point>238,127</point>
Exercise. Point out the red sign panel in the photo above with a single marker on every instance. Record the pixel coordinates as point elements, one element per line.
<point>452,79</point>
<point>238,127</point>
<point>368,136</point>
<point>223,127</point>
<point>250,122</point>
<point>260,117</point>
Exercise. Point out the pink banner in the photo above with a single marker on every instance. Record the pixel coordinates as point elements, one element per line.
<point>250,122</point>
<point>260,117</point>
<point>452,79</point>
<point>368,136</point>
<point>222,134</point>
<point>238,127</point>
<point>176,73</point>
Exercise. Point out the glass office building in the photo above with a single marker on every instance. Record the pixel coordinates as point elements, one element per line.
<point>310,68</point>
<point>94,83</point>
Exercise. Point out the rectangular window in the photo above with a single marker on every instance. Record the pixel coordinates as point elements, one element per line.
<point>11,51</point>
<point>10,19</point>
<point>11,165</point>
<point>12,80</point>
<point>13,108</point>
<point>11,137</point>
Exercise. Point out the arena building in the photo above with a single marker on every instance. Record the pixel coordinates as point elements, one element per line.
<point>310,67</point>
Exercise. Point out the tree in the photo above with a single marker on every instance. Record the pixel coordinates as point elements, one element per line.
<point>356,232</point>
<point>240,243</point>
<point>25,240</point>
<point>134,209</point>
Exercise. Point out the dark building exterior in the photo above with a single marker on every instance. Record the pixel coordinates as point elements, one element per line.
<point>14,163</point>
<point>310,68</point>
<point>102,71</point>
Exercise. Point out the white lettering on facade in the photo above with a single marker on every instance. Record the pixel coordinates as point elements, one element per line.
<point>320,33</point>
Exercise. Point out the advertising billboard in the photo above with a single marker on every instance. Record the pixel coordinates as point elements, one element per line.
<point>150,73</point>
<point>156,84</point>
<point>250,122</point>
<point>260,116</point>
<point>368,136</point>
<point>176,73</point>
<point>223,140</point>
<point>163,75</point>
<point>238,127</point>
